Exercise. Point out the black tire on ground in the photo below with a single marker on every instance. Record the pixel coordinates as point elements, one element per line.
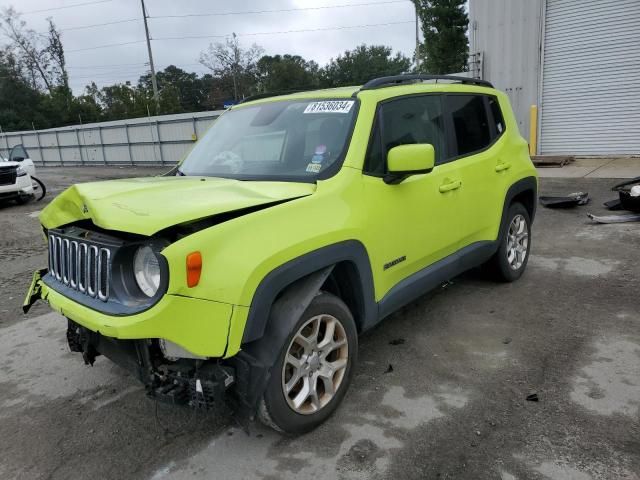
<point>39,195</point>
<point>274,409</point>
<point>23,199</point>
<point>499,266</point>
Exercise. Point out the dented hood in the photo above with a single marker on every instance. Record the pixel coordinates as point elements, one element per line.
<point>148,205</point>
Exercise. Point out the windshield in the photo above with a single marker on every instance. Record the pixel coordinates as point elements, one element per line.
<point>293,140</point>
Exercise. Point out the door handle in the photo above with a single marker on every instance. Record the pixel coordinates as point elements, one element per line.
<point>447,187</point>
<point>503,166</point>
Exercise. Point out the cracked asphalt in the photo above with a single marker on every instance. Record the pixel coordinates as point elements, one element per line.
<point>453,407</point>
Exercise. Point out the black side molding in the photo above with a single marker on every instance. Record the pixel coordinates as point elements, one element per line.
<point>431,277</point>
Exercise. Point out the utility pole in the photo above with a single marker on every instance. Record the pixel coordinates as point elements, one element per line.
<point>235,67</point>
<point>417,37</point>
<point>154,83</point>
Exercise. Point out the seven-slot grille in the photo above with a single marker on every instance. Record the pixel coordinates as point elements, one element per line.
<point>82,266</point>
<point>8,175</point>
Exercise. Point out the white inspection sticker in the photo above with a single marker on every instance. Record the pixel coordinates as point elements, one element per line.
<point>330,106</point>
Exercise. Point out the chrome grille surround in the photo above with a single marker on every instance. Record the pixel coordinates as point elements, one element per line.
<point>80,265</point>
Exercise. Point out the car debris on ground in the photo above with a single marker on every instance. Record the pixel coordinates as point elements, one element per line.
<point>629,194</point>
<point>628,199</point>
<point>571,200</point>
<point>629,217</point>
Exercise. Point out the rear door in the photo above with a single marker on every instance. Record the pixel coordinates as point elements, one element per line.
<point>478,143</point>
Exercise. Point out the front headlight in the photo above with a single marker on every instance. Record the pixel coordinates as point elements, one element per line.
<point>21,171</point>
<point>147,270</point>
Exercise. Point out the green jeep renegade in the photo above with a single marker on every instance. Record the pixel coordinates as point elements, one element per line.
<point>297,223</point>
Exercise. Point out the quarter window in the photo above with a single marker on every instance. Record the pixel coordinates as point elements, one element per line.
<point>470,122</point>
<point>409,120</point>
<point>498,120</point>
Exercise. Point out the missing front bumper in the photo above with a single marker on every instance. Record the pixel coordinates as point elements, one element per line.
<point>192,382</point>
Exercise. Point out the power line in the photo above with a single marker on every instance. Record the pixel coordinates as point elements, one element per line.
<point>138,64</point>
<point>93,25</point>
<point>280,10</point>
<point>117,22</point>
<point>131,20</point>
<point>104,46</point>
<point>66,6</point>
<point>109,75</point>
<point>322,29</point>
<point>142,70</point>
<point>106,65</point>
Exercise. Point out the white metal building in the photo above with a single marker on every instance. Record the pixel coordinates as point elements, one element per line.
<point>577,60</point>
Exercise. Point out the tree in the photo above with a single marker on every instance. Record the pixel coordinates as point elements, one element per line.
<point>19,101</point>
<point>55,50</point>
<point>361,64</point>
<point>25,47</point>
<point>123,100</point>
<point>282,73</point>
<point>444,25</point>
<point>180,91</point>
<point>234,65</point>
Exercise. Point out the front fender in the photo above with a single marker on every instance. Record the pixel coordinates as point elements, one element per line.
<point>298,268</point>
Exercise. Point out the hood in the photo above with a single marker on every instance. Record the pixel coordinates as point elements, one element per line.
<point>7,163</point>
<point>148,205</point>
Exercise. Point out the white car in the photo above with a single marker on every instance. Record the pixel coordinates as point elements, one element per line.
<point>15,176</point>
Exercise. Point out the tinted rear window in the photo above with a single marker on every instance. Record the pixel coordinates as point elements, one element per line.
<point>470,123</point>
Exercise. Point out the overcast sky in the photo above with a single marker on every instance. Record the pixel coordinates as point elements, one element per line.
<point>126,62</point>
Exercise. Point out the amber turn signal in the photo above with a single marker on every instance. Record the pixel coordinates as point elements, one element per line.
<point>194,268</point>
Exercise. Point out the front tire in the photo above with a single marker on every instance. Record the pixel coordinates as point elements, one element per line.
<point>23,199</point>
<point>509,262</point>
<point>313,371</point>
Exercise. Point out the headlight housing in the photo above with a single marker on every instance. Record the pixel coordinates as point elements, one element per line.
<point>21,171</point>
<point>146,269</point>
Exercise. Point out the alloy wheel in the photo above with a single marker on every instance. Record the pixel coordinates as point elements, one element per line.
<point>315,364</point>
<point>517,242</point>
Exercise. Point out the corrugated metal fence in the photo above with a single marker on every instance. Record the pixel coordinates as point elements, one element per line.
<point>141,141</point>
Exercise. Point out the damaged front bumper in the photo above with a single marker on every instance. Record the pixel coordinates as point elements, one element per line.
<point>197,383</point>
<point>138,343</point>
<point>199,326</point>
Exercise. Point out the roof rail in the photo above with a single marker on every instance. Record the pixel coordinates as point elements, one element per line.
<point>394,80</point>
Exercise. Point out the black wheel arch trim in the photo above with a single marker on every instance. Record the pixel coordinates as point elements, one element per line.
<point>296,269</point>
<point>527,184</point>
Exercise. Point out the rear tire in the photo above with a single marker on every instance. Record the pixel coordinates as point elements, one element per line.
<point>509,262</point>
<point>314,368</point>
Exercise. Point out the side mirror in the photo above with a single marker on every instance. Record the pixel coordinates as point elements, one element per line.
<point>18,154</point>
<point>406,160</point>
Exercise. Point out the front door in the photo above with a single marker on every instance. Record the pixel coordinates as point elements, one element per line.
<point>19,154</point>
<point>415,223</point>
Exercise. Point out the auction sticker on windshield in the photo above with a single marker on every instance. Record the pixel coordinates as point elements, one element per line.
<point>332,106</point>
